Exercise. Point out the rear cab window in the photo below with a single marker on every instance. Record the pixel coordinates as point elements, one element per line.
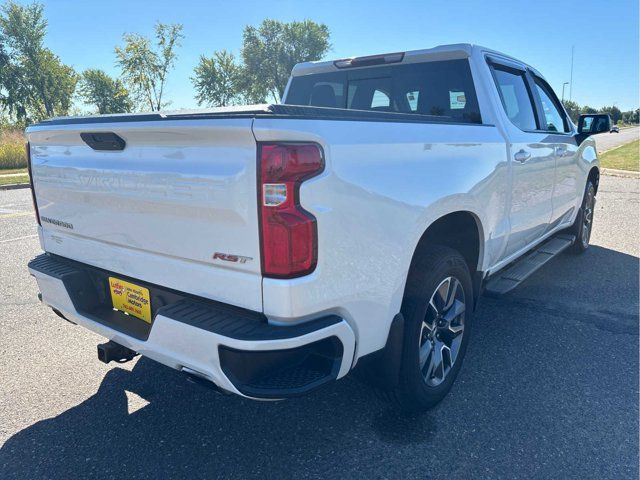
<point>444,89</point>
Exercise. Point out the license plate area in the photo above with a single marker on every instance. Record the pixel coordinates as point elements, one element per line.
<point>130,299</point>
<point>89,290</point>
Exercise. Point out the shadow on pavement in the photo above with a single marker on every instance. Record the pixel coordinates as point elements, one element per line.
<point>188,429</point>
<point>519,400</point>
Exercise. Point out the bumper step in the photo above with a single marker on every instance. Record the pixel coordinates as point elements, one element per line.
<point>236,323</point>
<point>506,280</point>
<point>88,290</point>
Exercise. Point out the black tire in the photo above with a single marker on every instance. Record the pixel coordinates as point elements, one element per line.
<point>584,220</point>
<point>417,390</point>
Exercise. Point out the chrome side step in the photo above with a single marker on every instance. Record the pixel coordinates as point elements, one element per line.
<point>506,280</point>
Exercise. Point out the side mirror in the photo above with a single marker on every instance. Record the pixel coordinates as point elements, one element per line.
<point>590,124</point>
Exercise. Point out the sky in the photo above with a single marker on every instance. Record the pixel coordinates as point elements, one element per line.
<point>83,33</point>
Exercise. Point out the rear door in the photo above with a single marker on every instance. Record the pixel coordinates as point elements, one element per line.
<point>531,156</point>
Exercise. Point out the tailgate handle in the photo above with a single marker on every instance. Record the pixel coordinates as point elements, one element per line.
<point>103,140</point>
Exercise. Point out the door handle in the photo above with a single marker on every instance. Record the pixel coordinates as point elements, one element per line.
<point>522,156</point>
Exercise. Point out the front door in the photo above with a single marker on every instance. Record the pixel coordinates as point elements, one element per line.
<point>569,178</point>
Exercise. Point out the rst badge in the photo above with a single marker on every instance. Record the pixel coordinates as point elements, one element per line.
<point>231,258</point>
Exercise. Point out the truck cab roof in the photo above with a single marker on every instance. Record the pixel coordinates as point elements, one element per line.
<point>451,51</point>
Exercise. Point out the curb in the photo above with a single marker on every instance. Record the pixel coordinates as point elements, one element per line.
<point>620,173</point>
<point>13,174</point>
<point>14,186</point>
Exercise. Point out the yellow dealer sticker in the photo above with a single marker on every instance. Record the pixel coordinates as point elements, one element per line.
<point>130,298</point>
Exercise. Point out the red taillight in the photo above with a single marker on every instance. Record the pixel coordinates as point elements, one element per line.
<point>289,232</point>
<point>33,192</point>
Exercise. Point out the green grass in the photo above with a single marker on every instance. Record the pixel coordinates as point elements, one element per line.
<point>6,180</point>
<point>626,157</point>
<point>12,151</point>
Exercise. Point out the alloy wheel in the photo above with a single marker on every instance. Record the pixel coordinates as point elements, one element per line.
<point>442,331</point>
<point>587,219</point>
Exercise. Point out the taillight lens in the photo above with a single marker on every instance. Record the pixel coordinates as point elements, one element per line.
<point>33,192</point>
<point>289,233</point>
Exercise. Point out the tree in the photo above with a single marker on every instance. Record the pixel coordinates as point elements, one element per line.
<point>145,68</point>
<point>9,85</point>
<point>108,95</point>
<point>613,111</point>
<point>34,83</point>
<point>270,51</point>
<point>631,116</point>
<point>573,109</point>
<point>218,80</point>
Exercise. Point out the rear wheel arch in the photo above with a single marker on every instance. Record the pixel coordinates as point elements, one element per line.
<point>461,231</point>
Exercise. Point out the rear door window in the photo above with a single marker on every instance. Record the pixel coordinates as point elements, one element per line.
<point>444,89</point>
<point>516,97</point>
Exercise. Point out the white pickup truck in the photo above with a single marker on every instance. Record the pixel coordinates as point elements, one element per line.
<point>271,249</point>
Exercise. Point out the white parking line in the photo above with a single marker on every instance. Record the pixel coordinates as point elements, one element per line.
<point>21,204</point>
<point>18,238</point>
<point>16,214</point>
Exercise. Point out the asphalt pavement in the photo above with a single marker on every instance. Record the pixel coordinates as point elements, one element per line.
<point>607,141</point>
<point>549,388</point>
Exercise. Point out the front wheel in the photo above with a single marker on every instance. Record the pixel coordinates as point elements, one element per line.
<point>437,311</point>
<point>584,221</point>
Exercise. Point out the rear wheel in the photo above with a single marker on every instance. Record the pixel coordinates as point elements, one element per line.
<point>584,221</point>
<point>437,311</point>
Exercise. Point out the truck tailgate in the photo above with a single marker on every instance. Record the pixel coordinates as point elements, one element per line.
<point>176,207</point>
